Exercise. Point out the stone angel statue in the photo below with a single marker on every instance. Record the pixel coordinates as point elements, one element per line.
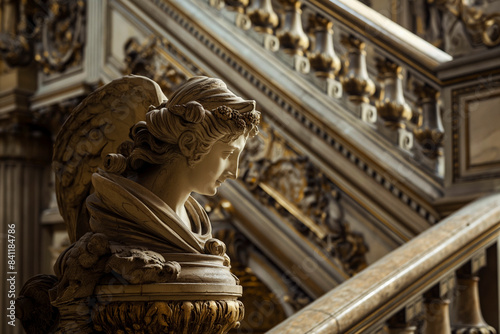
<point>143,258</point>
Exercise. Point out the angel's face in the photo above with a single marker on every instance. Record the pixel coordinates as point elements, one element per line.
<point>219,164</point>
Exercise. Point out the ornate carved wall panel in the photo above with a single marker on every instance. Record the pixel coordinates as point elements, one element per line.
<point>476,139</point>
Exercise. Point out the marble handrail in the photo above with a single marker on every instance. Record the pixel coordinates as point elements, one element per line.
<point>399,276</point>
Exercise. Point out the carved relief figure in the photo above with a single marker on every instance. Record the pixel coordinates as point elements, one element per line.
<point>130,215</point>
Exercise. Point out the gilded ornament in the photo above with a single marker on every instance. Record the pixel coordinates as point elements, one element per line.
<point>236,5</point>
<point>147,59</point>
<point>62,36</point>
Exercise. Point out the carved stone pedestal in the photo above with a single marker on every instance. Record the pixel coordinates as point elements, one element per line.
<point>202,299</point>
<point>167,308</point>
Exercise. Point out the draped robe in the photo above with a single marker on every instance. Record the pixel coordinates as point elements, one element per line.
<point>128,213</point>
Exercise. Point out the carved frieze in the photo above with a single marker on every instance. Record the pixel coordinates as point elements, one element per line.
<point>290,184</point>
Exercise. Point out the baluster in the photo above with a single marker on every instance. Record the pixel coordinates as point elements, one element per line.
<point>236,13</point>
<point>437,312</point>
<point>401,322</point>
<point>429,133</point>
<point>293,39</point>
<point>466,311</point>
<point>264,21</point>
<point>437,316</point>
<point>392,109</point>
<point>356,83</point>
<point>323,60</point>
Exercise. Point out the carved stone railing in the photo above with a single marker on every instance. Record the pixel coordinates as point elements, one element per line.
<point>429,285</point>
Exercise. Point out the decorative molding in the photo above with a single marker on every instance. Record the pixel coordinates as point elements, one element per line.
<point>482,21</point>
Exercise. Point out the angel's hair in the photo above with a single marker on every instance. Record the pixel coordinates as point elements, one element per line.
<point>200,113</point>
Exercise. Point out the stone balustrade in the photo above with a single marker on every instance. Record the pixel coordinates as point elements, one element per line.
<point>381,74</point>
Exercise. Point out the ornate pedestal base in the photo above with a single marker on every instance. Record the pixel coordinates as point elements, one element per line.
<point>168,308</point>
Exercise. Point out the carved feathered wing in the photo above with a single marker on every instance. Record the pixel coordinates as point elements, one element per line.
<point>95,128</point>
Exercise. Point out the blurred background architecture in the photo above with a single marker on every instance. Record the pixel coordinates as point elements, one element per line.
<point>380,128</point>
